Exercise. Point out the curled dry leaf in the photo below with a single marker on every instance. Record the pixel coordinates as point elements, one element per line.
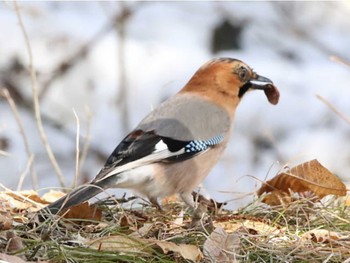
<point>307,177</point>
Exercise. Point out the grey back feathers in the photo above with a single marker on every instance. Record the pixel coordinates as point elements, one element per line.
<point>187,118</point>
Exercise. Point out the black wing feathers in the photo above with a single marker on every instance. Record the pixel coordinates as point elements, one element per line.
<point>139,144</point>
<point>174,145</point>
<point>134,146</point>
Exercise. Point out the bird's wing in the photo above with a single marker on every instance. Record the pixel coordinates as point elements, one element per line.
<point>141,148</point>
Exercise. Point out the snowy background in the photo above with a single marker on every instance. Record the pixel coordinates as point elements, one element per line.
<point>139,53</point>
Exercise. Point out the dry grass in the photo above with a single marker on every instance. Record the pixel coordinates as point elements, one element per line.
<point>66,240</point>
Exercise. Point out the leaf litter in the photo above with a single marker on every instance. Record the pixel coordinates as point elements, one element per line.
<point>301,229</point>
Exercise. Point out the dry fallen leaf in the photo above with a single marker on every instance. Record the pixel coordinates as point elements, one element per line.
<point>277,197</point>
<point>52,196</point>
<point>142,231</point>
<point>25,195</point>
<point>14,243</point>
<point>190,252</point>
<point>321,236</point>
<point>21,200</point>
<point>248,226</point>
<point>122,244</point>
<point>4,258</point>
<point>179,219</point>
<point>221,246</point>
<point>169,200</point>
<point>84,211</point>
<point>134,245</point>
<point>307,177</point>
<point>6,218</point>
<point>347,200</point>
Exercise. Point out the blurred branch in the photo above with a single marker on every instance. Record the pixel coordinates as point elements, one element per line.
<point>116,22</point>
<point>334,109</point>
<point>68,64</point>
<point>6,94</point>
<point>340,60</point>
<point>77,151</point>
<point>23,175</point>
<point>289,12</point>
<point>122,96</point>
<point>4,153</point>
<point>35,96</point>
<point>87,139</point>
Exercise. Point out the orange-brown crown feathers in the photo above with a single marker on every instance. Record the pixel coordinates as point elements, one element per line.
<point>225,80</point>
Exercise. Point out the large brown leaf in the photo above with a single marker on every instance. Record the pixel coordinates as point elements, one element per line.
<point>306,177</point>
<point>84,211</point>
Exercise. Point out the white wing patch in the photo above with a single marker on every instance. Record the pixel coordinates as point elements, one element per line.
<point>160,146</point>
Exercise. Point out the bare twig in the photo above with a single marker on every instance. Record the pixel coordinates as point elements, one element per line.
<point>87,138</point>
<point>35,96</point>
<point>4,153</point>
<point>340,60</point>
<point>334,109</point>
<point>23,174</point>
<point>6,94</point>
<point>77,151</point>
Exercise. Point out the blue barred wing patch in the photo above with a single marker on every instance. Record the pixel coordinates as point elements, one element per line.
<point>202,145</point>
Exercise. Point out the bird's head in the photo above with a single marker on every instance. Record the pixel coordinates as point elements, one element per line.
<point>249,80</point>
<point>231,79</point>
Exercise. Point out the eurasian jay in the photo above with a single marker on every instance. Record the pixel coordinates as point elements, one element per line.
<point>175,146</point>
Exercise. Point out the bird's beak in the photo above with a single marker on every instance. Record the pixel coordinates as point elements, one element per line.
<point>265,84</point>
<point>260,82</point>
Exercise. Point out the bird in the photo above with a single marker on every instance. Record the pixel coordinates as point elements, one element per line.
<point>173,149</point>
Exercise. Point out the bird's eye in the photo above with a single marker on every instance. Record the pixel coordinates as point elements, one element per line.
<point>243,74</point>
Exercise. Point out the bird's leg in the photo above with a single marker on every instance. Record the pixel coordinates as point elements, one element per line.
<point>154,202</point>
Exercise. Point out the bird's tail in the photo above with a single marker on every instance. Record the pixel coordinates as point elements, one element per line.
<point>77,196</point>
